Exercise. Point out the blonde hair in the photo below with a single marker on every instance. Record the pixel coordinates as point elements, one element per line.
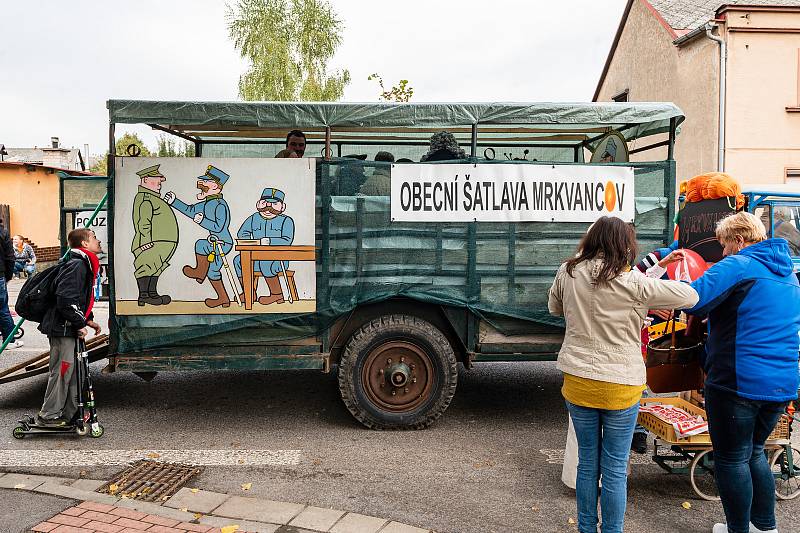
<point>745,224</point>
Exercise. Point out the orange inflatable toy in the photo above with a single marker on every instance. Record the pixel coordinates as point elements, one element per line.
<point>711,186</point>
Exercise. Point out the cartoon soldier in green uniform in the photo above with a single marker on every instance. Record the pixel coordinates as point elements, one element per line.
<point>155,236</point>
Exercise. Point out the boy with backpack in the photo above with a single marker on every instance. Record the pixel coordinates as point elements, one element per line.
<point>67,320</point>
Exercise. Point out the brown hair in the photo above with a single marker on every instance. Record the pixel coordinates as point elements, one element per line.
<point>77,236</point>
<point>612,240</point>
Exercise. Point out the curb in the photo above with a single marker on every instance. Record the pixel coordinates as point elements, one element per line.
<point>214,509</point>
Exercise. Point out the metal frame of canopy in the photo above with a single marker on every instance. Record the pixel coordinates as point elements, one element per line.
<point>492,124</point>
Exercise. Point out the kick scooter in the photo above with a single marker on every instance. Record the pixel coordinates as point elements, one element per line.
<point>85,422</point>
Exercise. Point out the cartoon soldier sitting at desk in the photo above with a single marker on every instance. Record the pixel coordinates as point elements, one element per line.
<point>269,226</point>
<point>213,214</point>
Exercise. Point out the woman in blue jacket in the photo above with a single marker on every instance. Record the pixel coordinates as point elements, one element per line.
<point>752,299</point>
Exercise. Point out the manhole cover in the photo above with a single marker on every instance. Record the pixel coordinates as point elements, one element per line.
<point>149,481</point>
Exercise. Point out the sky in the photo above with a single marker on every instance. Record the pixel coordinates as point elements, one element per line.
<point>61,61</point>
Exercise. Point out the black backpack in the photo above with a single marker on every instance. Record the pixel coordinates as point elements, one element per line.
<point>38,294</point>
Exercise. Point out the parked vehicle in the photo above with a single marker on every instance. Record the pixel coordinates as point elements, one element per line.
<point>399,304</point>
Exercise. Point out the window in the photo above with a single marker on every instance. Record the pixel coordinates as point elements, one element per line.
<point>621,97</point>
<point>792,175</point>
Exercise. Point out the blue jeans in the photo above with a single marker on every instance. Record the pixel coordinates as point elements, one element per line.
<point>6,322</point>
<point>739,427</point>
<point>604,444</point>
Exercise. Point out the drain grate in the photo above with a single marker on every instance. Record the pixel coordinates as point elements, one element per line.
<point>149,481</point>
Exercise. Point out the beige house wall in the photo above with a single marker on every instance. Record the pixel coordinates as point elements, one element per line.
<point>654,70</point>
<point>763,139</point>
<point>32,197</point>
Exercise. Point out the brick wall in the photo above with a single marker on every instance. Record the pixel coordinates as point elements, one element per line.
<point>48,254</point>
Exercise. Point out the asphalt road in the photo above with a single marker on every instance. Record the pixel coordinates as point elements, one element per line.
<point>480,468</point>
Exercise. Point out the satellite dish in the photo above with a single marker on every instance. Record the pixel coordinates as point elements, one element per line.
<point>613,148</point>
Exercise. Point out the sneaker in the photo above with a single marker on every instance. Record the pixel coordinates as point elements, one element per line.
<point>15,344</point>
<point>720,528</point>
<point>51,422</point>
<point>639,443</point>
<point>754,529</point>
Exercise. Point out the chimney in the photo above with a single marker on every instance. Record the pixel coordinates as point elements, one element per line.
<point>54,140</point>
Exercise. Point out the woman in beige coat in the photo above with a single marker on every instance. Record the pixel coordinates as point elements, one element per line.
<point>604,304</point>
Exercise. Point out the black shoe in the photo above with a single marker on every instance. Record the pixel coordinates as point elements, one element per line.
<point>639,443</point>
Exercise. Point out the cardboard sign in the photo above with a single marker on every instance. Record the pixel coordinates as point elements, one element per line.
<point>214,235</point>
<point>511,193</point>
<point>698,224</point>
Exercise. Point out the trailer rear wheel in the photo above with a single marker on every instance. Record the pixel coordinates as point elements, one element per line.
<point>398,372</point>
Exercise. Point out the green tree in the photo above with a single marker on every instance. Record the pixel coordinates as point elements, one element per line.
<point>168,147</point>
<point>398,93</point>
<point>129,139</point>
<point>101,167</point>
<point>288,44</point>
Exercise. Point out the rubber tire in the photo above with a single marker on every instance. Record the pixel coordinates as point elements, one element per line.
<point>398,327</point>
<point>692,469</point>
<point>773,460</point>
<point>18,432</point>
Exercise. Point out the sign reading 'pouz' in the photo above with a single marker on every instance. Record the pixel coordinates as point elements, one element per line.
<point>511,193</point>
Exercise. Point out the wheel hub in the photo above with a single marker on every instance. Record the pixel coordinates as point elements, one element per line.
<point>398,376</point>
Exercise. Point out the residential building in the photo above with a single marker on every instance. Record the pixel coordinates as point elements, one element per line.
<point>733,68</point>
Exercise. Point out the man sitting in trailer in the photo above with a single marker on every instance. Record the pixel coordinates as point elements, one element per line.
<point>271,227</point>
<point>296,142</point>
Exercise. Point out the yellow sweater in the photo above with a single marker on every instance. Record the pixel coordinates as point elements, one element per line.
<point>600,394</point>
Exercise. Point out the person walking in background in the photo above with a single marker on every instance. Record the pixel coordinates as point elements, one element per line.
<point>752,300</point>
<point>604,305</point>
<point>6,274</point>
<point>24,257</point>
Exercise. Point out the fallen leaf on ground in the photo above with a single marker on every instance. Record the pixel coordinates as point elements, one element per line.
<point>686,505</point>
<point>153,455</point>
<point>197,516</point>
<point>571,520</point>
<point>82,473</point>
<point>113,488</point>
<point>195,491</point>
<point>184,509</point>
<point>230,529</point>
<point>19,486</point>
<point>246,486</point>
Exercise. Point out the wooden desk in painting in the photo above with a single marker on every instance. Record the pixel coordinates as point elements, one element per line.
<point>250,253</point>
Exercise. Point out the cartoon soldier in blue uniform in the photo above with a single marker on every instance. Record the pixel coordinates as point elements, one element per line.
<point>271,227</point>
<point>211,213</point>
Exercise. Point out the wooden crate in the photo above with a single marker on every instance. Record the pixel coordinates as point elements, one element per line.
<point>665,431</point>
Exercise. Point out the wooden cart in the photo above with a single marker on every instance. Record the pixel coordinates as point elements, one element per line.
<point>694,455</point>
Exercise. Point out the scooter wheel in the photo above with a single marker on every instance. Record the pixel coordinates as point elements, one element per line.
<point>99,432</point>
<point>19,334</point>
<point>82,430</point>
<point>19,432</point>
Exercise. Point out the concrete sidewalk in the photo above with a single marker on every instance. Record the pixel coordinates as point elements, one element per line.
<point>188,510</point>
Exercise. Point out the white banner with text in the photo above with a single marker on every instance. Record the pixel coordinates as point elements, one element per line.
<point>511,193</point>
